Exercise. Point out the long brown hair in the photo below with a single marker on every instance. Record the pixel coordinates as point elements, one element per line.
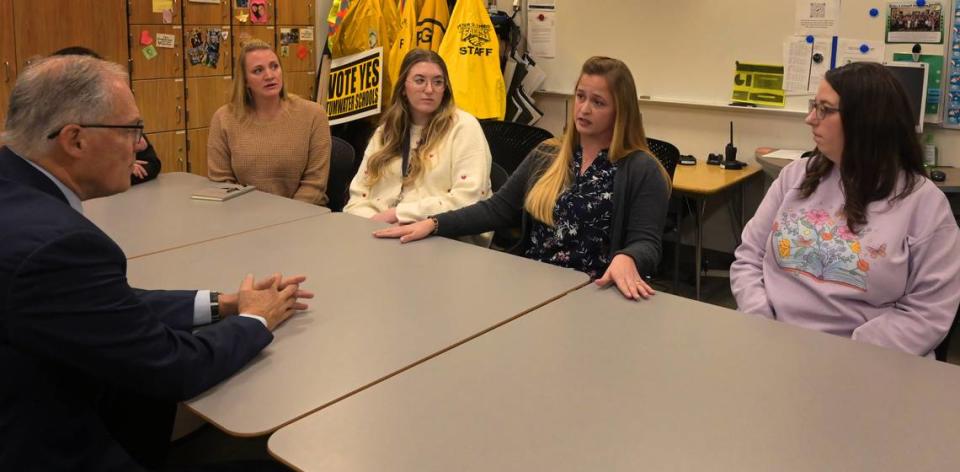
<point>628,136</point>
<point>242,101</point>
<point>396,122</point>
<point>879,141</point>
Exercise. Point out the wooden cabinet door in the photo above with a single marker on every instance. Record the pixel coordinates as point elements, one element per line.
<point>196,51</point>
<point>141,12</point>
<point>168,62</point>
<point>171,148</point>
<point>8,57</point>
<point>42,27</point>
<point>291,42</point>
<point>197,150</point>
<point>295,12</point>
<point>204,96</point>
<point>161,104</point>
<point>244,33</point>
<point>206,13</point>
<point>270,14</point>
<point>300,83</point>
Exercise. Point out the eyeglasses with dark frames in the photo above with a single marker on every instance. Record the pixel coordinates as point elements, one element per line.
<point>823,110</point>
<point>138,127</point>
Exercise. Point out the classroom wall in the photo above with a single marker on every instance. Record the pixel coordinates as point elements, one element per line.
<point>702,129</point>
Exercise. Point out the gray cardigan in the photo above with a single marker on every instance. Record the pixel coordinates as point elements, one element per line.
<point>641,194</point>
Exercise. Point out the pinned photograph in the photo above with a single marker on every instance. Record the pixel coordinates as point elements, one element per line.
<point>196,38</point>
<point>289,36</point>
<point>242,3</point>
<point>259,15</point>
<point>910,23</point>
<point>212,52</point>
<point>196,50</point>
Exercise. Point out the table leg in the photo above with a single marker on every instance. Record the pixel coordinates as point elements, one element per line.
<point>676,247</point>
<point>701,204</point>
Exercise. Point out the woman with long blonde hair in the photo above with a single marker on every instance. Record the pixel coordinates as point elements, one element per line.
<point>268,138</point>
<point>595,202</point>
<point>427,156</point>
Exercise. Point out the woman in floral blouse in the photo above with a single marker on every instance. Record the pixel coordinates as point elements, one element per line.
<point>595,201</point>
<point>855,241</point>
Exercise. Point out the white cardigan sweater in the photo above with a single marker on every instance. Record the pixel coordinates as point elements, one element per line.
<point>457,175</point>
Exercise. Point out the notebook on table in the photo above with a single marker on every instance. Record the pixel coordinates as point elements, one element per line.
<point>221,192</point>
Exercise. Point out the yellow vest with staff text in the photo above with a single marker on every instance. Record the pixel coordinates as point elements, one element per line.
<point>472,53</point>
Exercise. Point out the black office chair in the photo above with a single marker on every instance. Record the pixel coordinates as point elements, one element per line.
<point>669,157</point>
<point>504,238</point>
<point>511,142</point>
<point>498,176</point>
<point>341,173</point>
<point>666,153</point>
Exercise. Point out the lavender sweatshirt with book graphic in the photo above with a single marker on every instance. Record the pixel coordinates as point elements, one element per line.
<point>895,283</point>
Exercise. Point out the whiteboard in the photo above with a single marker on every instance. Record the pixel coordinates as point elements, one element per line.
<point>686,50</point>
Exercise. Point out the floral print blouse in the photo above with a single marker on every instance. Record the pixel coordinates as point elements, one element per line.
<point>580,237</point>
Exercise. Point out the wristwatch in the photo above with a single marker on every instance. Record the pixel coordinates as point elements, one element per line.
<point>214,307</point>
<point>436,224</point>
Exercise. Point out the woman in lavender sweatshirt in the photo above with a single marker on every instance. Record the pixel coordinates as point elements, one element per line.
<point>855,241</point>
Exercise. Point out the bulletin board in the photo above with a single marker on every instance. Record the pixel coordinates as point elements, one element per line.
<point>686,50</point>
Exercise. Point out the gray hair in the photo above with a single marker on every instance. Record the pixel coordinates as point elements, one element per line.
<point>57,91</point>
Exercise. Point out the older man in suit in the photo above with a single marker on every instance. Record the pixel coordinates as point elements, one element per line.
<point>73,335</point>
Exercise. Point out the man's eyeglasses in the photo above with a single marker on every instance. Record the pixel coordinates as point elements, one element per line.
<point>137,127</point>
<point>823,110</point>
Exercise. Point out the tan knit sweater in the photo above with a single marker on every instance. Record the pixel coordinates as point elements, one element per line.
<point>287,156</point>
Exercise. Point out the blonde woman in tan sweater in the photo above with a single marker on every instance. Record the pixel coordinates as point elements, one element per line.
<point>447,163</point>
<point>275,141</point>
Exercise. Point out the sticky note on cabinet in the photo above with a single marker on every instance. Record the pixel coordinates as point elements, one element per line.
<point>161,5</point>
<point>149,52</point>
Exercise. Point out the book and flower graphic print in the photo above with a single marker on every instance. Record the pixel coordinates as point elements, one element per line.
<point>814,243</point>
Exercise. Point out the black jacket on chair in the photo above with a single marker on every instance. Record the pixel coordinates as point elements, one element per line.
<point>73,334</point>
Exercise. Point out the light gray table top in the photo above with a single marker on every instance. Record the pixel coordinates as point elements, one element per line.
<point>594,382</point>
<point>380,307</point>
<point>160,215</point>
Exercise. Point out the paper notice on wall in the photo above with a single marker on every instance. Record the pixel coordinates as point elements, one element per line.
<point>858,50</point>
<point>760,84</point>
<point>166,40</point>
<point>306,34</point>
<point>823,57</point>
<point>541,33</point>
<point>817,17</point>
<point>797,56</point>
